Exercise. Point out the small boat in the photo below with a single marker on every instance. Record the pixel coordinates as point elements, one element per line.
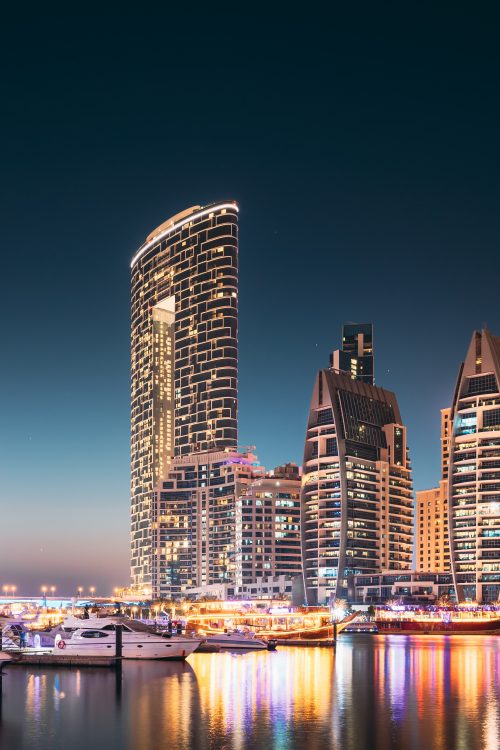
<point>207,648</point>
<point>98,638</point>
<point>239,641</point>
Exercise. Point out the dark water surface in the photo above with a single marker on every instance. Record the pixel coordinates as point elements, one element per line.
<point>418,692</point>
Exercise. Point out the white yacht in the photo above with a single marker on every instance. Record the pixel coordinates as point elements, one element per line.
<point>240,641</point>
<point>97,637</point>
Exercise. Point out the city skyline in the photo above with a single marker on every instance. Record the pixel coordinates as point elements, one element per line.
<point>365,189</point>
<point>105,584</point>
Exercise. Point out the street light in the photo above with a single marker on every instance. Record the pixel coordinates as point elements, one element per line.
<point>92,589</point>
<point>80,590</point>
<point>43,589</point>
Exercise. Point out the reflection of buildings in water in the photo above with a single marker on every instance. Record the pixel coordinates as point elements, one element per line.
<point>264,698</point>
<point>437,691</point>
<point>491,724</point>
<point>355,718</point>
<point>50,707</point>
<point>163,706</point>
<point>36,689</point>
<point>158,707</point>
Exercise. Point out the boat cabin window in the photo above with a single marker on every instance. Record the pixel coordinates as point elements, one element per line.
<point>113,627</point>
<point>93,634</point>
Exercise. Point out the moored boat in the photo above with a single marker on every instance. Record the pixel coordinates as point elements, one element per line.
<point>308,624</point>
<point>99,639</point>
<point>239,641</point>
<point>436,621</point>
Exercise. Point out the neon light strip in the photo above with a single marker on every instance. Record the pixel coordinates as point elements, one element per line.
<point>169,230</point>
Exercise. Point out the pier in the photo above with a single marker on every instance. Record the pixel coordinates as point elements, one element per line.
<point>58,660</point>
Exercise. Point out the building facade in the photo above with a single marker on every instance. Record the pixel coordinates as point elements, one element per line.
<point>432,540</point>
<point>474,472</point>
<point>356,356</point>
<point>432,530</point>
<point>445,441</point>
<point>184,328</point>
<point>268,527</point>
<point>195,509</point>
<point>264,589</point>
<point>409,587</point>
<point>357,498</point>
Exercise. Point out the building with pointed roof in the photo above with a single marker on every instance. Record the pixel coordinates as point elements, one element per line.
<point>357,497</point>
<point>474,472</point>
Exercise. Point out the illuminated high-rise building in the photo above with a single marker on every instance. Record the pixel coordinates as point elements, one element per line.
<point>184,357</point>
<point>357,498</point>
<point>474,472</point>
<point>445,441</point>
<point>196,507</point>
<point>432,530</point>
<point>356,356</point>
<point>432,539</point>
<point>268,527</point>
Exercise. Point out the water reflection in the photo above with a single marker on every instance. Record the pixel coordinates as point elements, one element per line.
<point>374,692</point>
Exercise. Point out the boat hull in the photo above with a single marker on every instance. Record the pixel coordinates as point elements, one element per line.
<point>317,634</point>
<point>226,642</point>
<point>455,627</point>
<point>162,649</point>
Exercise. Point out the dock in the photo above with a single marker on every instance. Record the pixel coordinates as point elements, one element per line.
<point>61,660</point>
<point>47,658</point>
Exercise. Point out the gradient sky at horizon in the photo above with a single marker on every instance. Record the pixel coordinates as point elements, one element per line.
<point>364,153</point>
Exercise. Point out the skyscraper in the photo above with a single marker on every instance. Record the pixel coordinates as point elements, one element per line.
<point>357,499</point>
<point>474,472</point>
<point>356,355</point>
<point>432,539</point>
<point>184,322</point>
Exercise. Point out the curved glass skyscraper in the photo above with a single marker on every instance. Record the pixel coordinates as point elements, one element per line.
<point>474,472</point>
<point>184,336</point>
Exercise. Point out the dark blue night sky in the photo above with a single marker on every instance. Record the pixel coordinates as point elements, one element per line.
<point>364,154</point>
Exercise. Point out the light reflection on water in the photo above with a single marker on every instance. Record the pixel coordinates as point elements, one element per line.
<point>374,692</point>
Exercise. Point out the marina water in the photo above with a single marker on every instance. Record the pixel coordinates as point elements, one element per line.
<point>372,692</point>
